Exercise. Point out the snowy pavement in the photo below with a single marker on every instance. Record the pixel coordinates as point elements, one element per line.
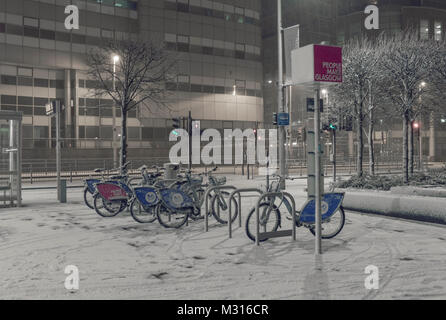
<point>120,259</point>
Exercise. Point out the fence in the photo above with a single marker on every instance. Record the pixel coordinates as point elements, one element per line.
<point>35,170</point>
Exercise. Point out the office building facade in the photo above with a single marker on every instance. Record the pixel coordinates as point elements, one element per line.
<point>217,45</point>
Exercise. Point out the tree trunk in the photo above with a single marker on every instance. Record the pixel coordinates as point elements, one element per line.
<point>360,138</point>
<point>371,145</point>
<point>405,148</point>
<point>411,148</point>
<point>123,154</point>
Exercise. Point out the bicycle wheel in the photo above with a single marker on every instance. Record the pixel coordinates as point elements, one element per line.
<point>88,199</point>
<point>171,219</point>
<point>220,207</point>
<point>269,220</point>
<point>107,209</point>
<point>331,227</point>
<point>141,214</point>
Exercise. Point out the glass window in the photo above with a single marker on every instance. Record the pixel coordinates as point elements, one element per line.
<point>92,132</point>
<point>39,111</point>
<point>94,112</point>
<point>106,112</point>
<point>147,133</point>
<point>133,133</point>
<point>27,110</point>
<point>424,29</point>
<point>27,131</point>
<point>31,32</point>
<point>25,100</point>
<point>12,80</point>
<point>438,30</point>
<point>6,99</point>
<point>41,132</point>
<point>13,29</point>
<point>25,81</point>
<point>81,132</point>
<point>47,34</point>
<point>62,36</point>
<point>106,132</point>
<point>91,102</point>
<point>40,101</point>
<point>43,83</point>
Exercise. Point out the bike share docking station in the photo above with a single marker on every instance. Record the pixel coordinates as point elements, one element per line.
<point>312,66</point>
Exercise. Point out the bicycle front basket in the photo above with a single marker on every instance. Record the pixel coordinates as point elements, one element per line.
<point>197,180</point>
<point>220,181</point>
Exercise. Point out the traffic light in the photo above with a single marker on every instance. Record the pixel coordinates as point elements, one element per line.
<point>176,125</point>
<point>275,119</point>
<point>332,126</point>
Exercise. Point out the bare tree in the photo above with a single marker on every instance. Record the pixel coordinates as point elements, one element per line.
<point>136,79</point>
<point>408,63</point>
<point>360,60</point>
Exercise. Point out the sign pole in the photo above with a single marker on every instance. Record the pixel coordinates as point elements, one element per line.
<point>189,129</point>
<point>334,154</point>
<point>317,153</point>
<point>58,164</point>
<point>280,106</point>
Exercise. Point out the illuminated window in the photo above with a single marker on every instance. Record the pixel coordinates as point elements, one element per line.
<point>438,30</point>
<point>424,29</point>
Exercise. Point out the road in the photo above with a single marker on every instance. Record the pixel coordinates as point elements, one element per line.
<point>120,259</point>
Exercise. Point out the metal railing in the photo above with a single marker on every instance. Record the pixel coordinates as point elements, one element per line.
<point>41,169</point>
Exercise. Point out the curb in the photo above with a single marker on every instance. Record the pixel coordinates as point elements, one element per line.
<point>425,209</point>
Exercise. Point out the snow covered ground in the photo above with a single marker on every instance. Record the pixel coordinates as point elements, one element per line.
<point>120,259</point>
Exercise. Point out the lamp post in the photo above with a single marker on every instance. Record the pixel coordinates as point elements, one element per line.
<point>280,106</point>
<point>114,147</point>
<point>420,136</point>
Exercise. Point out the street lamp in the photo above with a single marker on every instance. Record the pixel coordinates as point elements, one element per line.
<point>115,149</point>
<point>417,125</point>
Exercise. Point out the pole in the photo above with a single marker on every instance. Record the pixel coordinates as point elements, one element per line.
<point>334,154</point>
<point>317,153</point>
<point>420,140</point>
<point>115,157</point>
<point>58,147</point>
<point>280,106</point>
<point>189,124</point>
<point>290,110</point>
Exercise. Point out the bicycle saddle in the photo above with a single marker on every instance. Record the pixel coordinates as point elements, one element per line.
<point>99,170</point>
<point>142,168</point>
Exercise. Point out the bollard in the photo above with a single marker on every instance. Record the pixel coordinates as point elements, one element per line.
<point>63,191</point>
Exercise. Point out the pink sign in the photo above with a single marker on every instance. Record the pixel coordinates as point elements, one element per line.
<point>327,63</point>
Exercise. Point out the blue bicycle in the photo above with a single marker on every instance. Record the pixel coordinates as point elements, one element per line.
<point>333,215</point>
